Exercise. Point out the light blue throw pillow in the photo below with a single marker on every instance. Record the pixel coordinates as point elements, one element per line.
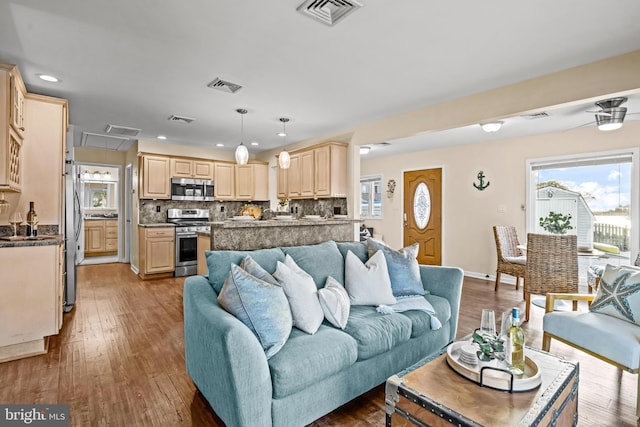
<point>619,293</point>
<point>262,306</point>
<point>403,267</point>
<point>253,268</point>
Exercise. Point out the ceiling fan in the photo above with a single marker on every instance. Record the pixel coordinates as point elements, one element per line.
<point>611,115</point>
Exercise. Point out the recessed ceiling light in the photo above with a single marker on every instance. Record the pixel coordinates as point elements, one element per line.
<point>255,143</point>
<point>491,126</point>
<point>219,144</point>
<point>161,137</point>
<point>281,133</point>
<point>48,78</point>
<point>364,149</point>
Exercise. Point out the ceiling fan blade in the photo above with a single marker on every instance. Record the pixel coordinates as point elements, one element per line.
<point>599,113</point>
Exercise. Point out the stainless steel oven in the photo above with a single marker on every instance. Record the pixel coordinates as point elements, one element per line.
<point>188,223</point>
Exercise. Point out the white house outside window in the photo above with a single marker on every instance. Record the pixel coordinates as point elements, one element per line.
<point>371,197</point>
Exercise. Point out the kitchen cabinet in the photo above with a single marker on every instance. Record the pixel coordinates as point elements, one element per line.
<point>155,177</point>
<point>223,181</point>
<point>330,165</point>
<point>31,307</point>
<point>241,182</point>
<point>191,168</point>
<point>12,127</point>
<point>157,252</point>
<point>100,237</point>
<point>252,182</point>
<point>315,172</point>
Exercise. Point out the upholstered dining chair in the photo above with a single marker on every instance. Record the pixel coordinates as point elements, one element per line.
<point>511,261</point>
<point>552,266</point>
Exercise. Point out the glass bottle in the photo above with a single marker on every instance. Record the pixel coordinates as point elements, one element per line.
<point>514,344</point>
<point>32,221</point>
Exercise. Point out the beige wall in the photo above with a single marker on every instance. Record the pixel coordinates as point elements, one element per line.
<point>469,214</point>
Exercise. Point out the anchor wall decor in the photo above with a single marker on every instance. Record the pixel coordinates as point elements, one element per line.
<point>482,185</point>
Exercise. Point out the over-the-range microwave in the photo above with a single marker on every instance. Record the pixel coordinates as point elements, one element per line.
<point>192,189</point>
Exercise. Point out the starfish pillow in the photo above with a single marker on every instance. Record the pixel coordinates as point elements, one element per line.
<point>619,293</point>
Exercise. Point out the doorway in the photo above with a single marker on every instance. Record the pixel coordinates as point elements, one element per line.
<point>99,194</point>
<point>423,214</point>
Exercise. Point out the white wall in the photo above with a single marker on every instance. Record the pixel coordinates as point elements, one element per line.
<point>469,214</point>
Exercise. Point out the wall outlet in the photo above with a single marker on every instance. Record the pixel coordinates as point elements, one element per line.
<point>158,208</point>
<point>221,208</point>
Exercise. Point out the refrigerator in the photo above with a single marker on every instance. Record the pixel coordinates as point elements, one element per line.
<point>72,228</point>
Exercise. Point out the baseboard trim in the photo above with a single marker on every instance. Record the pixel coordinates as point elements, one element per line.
<point>509,280</point>
<point>135,269</point>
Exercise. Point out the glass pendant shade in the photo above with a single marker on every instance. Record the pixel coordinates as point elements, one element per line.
<point>242,154</point>
<point>284,159</point>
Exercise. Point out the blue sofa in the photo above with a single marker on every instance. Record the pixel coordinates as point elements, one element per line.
<point>312,374</point>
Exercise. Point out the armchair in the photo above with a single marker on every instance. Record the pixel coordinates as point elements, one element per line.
<point>605,337</point>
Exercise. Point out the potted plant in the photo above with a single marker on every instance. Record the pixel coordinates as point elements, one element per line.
<point>283,204</point>
<point>556,223</point>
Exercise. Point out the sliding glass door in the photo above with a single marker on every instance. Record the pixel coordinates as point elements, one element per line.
<point>594,197</point>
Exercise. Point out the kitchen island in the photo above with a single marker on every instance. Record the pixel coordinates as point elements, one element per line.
<point>249,235</point>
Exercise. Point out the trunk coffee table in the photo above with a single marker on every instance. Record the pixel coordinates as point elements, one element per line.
<point>431,393</point>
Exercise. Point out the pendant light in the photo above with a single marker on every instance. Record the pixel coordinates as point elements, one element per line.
<point>242,153</point>
<point>284,159</point>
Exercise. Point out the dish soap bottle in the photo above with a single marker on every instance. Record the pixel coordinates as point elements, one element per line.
<point>32,221</point>
<point>514,345</point>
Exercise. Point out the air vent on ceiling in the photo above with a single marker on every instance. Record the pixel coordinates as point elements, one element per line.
<point>383,143</point>
<point>535,116</point>
<point>122,130</point>
<point>183,119</point>
<point>224,85</point>
<point>329,12</point>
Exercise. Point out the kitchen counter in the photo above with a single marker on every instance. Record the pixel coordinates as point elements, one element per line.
<point>249,235</point>
<point>40,240</point>
<point>157,224</point>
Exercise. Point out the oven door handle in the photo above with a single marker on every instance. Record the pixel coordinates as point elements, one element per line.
<point>186,234</point>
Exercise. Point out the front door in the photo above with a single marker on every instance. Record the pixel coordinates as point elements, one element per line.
<point>423,213</point>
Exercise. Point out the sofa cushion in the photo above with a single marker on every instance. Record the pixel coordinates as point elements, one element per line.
<point>359,249</point>
<point>421,321</point>
<point>376,333</point>
<point>368,284</point>
<point>219,263</point>
<point>320,261</point>
<point>404,271</point>
<point>617,339</point>
<point>302,295</point>
<point>307,359</point>
<point>261,306</point>
<point>335,304</point>
<point>619,293</point>
<point>253,268</point>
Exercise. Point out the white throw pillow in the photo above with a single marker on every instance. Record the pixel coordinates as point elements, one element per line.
<point>368,284</point>
<point>302,294</point>
<point>334,301</point>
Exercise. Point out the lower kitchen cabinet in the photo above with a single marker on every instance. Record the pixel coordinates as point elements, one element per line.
<point>100,237</point>
<point>33,297</point>
<point>157,252</point>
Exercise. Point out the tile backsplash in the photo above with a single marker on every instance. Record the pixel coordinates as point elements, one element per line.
<point>222,210</point>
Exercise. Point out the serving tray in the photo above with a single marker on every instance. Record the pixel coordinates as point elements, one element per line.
<point>494,374</point>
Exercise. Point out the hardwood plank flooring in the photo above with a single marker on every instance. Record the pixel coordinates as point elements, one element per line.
<point>119,360</point>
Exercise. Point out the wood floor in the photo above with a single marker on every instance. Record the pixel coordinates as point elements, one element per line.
<point>119,360</point>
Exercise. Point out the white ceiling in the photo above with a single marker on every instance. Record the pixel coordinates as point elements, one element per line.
<point>135,63</point>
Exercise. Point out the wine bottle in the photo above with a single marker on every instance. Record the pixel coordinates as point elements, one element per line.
<point>514,345</point>
<point>32,221</point>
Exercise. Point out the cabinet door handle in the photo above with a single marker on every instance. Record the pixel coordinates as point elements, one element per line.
<point>22,128</point>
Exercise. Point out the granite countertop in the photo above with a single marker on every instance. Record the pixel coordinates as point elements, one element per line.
<point>157,224</point>
<point>41,240</point>
<point>281,223</point>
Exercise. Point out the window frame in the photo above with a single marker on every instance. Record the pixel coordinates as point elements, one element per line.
<point>371,180</point>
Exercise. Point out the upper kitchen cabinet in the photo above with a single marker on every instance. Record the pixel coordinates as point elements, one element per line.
<point>315,172</point>
<point>330,163</point>
<point>252,182</point>
<point>223,181</point>
<point>155,174</point>
<point>12,126</point>
<point>43,154</point>
<point>191,168</point>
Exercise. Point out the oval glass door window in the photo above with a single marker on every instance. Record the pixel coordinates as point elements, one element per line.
<point>422,205</point>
